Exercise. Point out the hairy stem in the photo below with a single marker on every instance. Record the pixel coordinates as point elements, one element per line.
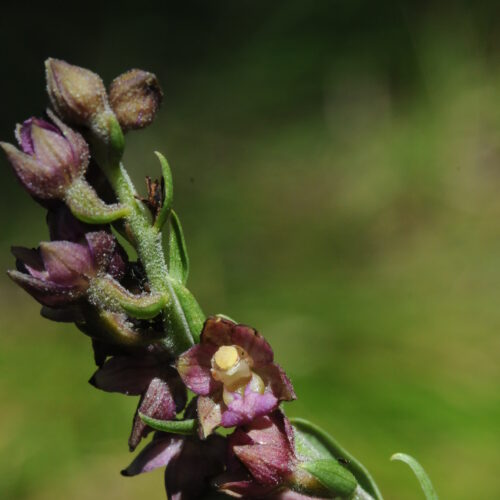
<point>179,323</point>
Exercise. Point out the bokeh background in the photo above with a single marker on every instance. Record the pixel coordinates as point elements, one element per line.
<point>337,172</point>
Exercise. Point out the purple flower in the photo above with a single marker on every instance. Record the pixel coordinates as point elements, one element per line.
<point>59,272</point>
<point>52,157</point>
<point>233,372</point>
<point>190,463</point>
<point>162,392</point>
<point>263,457</point>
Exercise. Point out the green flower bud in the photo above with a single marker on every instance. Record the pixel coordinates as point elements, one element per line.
<point>330,475</point>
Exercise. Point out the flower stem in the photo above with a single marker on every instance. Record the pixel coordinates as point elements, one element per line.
<point>182,313</point>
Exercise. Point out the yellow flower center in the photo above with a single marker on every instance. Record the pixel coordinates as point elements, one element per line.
<point>226,357</point>
<point>232,366</point>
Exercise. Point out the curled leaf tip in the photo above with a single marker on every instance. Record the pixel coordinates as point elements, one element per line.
<point>418,470</point>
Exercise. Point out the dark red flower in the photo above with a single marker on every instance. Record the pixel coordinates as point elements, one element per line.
<point>233,372</point>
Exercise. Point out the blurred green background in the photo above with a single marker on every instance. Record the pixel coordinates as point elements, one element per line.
<point>337,172</point>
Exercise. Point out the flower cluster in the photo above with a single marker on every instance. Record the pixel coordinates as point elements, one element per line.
<point>149,335</point>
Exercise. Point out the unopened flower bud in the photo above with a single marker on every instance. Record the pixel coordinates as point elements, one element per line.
<point>135,97</point>
<point>52,165</point>
<point>77,94</point>
<point>59,272</point>
<point>52,157</point>
<point>79,97</point>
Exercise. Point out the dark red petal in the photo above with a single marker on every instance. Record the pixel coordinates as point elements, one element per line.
<point>194,368</point>
<point>264,448</point>
<point>217,331</point>
<point>158,453</point>
<point>126,374</point>
<point>276,379</point>
<point>189,475</point>
<point>159,401</point>
<point>254,344</point>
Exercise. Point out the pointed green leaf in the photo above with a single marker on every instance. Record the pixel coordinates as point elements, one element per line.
<point>86,205</point>
<point>192,310</point>
<point>178,261</point>
<point>314,443</point>
<point>107,293</point>
<point>169,192</point>
<point>337,479</point>
<point>418,470</point>
<point>173,426</point>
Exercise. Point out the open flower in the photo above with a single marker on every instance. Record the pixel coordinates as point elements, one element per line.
<point>190,463</point>
<point>59,272</point>
<point>162,393</point>
<point>233,372</point>
<point>262,457</point>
